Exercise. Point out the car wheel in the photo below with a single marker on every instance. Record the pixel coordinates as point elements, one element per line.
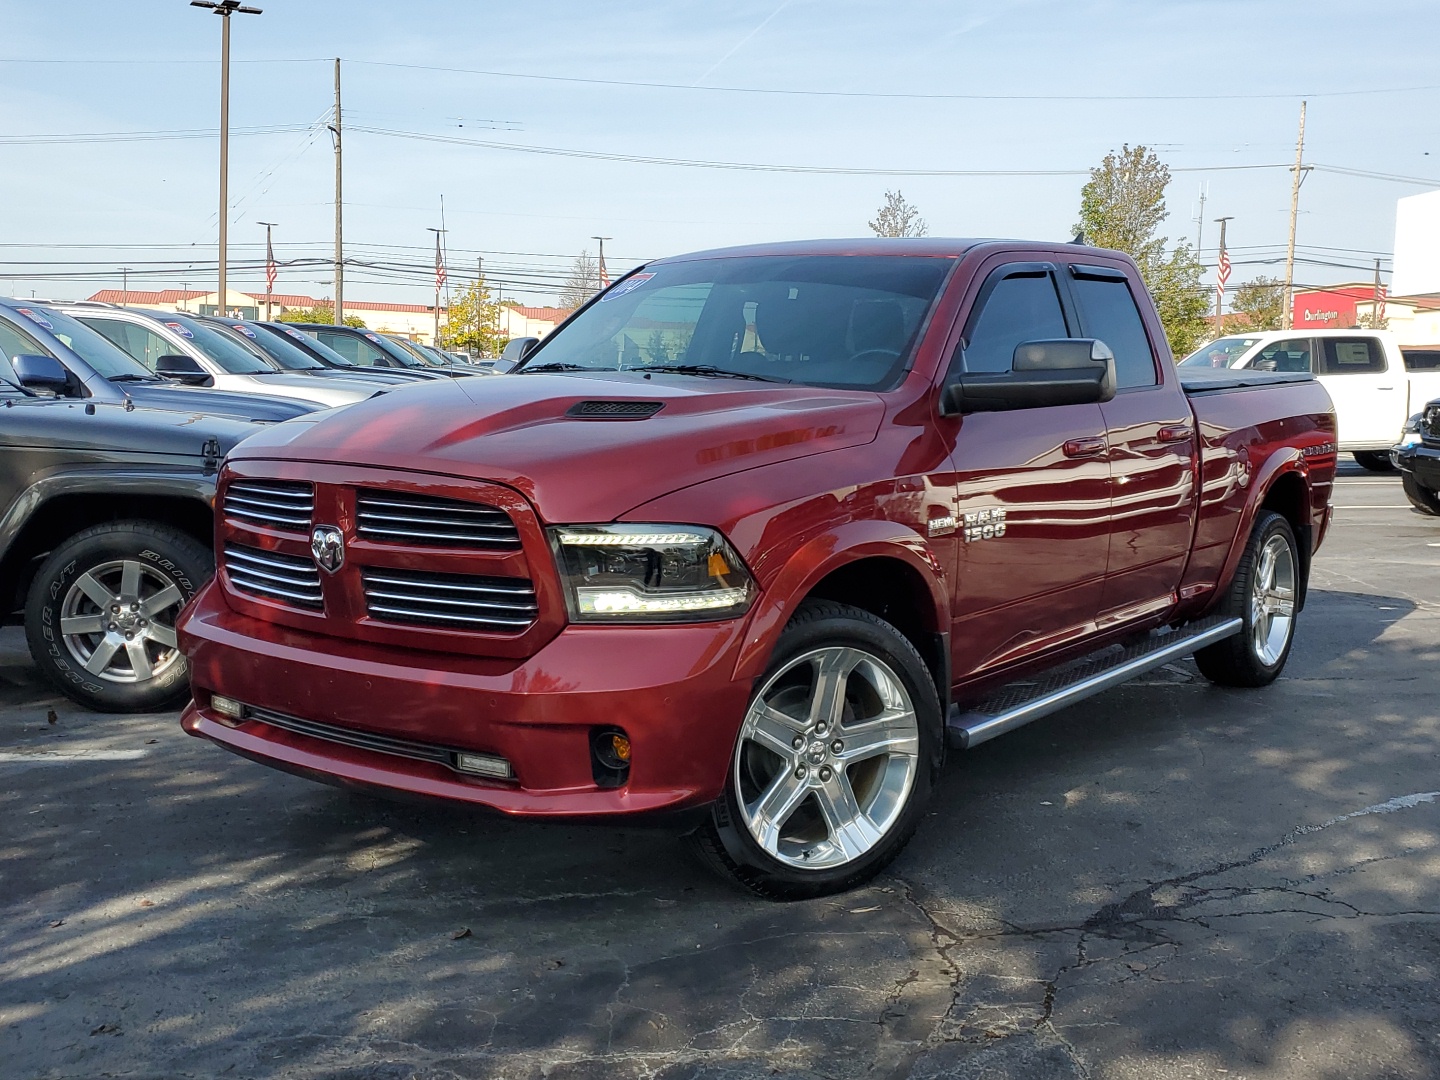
<point>837,755</point>
<point>100,618</point>
<point>1422,498</point>
<point>1374,460</point>
<point>1263,595</point>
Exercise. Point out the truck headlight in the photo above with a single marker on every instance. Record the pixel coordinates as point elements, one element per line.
<point>650,573</point>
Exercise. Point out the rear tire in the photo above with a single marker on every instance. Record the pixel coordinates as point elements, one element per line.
<point>1263,595</point>
<point>835,760</point>
<point>1422,498</point>
<point>100,618</point>
<point>1374,460</point>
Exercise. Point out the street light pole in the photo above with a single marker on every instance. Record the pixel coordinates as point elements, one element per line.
<point>125,286</point>
<point>439,280</point>
<point>604,274</point>
<point>269,266</point>
<point>224,8</point>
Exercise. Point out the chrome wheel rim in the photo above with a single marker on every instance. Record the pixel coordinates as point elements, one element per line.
<point>118,621</point>
<point>826,759</point>
<point>1272,600</point>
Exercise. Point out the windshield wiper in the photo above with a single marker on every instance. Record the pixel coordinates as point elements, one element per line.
<point>555,367</point>
<point>136,378</point>
<point>708,370</point>
<point>23,389</point>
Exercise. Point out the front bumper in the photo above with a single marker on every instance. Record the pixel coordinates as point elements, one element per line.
<point>671,689</point>
<point>1422,461</point>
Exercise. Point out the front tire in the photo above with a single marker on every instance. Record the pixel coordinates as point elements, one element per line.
<point>1263,594</point>
<point>1422,498</point>
<point>100,617</point>
<point>1374,460</point>
<point>835,761</point>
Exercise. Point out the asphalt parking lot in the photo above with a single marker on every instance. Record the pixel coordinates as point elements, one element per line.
<point>1170,880</point>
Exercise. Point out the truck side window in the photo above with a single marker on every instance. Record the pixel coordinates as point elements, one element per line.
<point>1292,354</point>
<point>1021,307</point>
<point>1352,356</point>
<point>1109,313</point>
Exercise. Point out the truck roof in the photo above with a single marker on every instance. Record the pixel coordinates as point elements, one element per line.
<point>951,247</point>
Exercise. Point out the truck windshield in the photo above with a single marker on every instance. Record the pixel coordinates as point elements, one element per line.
<point>108,359</point>
<point>1220,353</point>
<point>277,350</point>
<point>845,321</point>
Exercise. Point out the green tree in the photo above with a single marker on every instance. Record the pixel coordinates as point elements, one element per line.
<point>583,282</point>
<point>1121,208</point>
<point>1260,304</point>
<point>898,217</point>
<point>321,313</point>
<point>472,322</point>
<point>1183,303</point>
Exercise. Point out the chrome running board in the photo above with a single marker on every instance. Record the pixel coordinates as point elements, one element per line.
<point>1018,703</point>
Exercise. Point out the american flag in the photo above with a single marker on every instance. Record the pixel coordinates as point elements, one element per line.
<point>439,266</point>
<point>604,274</point>
<point>269,265</point>
<point>1222,274</point>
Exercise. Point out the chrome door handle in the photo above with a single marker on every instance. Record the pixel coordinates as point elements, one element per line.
<point>1175,433</point>
<point>1092,446</point>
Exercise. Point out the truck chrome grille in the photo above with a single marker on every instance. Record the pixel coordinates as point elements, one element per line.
<point>290,579</point>
<point>455,601</point>
<point>426,519</point>
<point>1430,425</point>
<point>283,504</point>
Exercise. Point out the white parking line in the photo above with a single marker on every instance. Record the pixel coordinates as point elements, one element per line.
<point>67,757</point>
<point>1377,506</point>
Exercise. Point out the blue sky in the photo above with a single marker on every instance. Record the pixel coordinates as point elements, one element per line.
<point>1033,85</point>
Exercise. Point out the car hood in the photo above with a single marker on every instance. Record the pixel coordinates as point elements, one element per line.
<point>215,402</point>
<point>299,384</point>
<point>520,431</point>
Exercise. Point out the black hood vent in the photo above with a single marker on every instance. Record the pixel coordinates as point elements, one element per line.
<point>614,410</point>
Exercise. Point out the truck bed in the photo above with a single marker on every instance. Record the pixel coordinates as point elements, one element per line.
<point>1215,380</point>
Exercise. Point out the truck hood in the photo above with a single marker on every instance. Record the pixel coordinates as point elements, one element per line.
<point>523,431</point>
<point>161,395</point>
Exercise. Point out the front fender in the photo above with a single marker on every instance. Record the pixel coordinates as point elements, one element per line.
<point>814,559</point>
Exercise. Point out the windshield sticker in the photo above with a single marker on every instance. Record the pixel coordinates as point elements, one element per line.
<point>183,331</point>
<point>35,317</point>
<point>243,329</point>
<point>295,334</point>
<point>372,337</point>
<point>630,284</point>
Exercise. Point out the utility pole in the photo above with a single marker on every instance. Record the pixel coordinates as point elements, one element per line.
<point>1377,310</point>
<point>339,231</point>
<point>439,280</point>
<point>604,274</point>
<point>1200,218</point>
<point>269,266</point>
<point>479,291</point>
<point>224,8</point>
<point>1299,171</point>
<point>1222,275</point>
<point>125,283</point>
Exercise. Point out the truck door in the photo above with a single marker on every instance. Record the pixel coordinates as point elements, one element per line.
<point>1033,490</point>
<point>1370,400</point>
<point>1152,445</point>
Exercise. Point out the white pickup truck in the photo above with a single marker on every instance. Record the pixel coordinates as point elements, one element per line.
<point>1368,379</point>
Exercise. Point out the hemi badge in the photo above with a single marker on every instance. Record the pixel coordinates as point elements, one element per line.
<point>942,526</point>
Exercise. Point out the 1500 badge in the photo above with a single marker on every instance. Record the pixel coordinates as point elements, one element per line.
<point>983,524</point>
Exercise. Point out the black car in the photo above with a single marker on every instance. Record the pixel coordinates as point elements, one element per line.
<point>91,367</point>
<point>296,352</point>
<point>369,349</point>
<point>1418,459</point>
<point>106,527</point>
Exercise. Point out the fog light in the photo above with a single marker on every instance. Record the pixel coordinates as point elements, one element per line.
<point>620,747</point>
<point>609,756</point>
<point>496,768</point>
<point>227,707</point>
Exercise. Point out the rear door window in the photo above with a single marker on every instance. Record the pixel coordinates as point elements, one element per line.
<point>1352,356</point>
<point>1292,354</point>
<point>1020,305</point>
<point>1108,312</point>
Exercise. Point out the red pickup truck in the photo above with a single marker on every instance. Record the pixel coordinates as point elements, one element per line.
<point>755,534</point>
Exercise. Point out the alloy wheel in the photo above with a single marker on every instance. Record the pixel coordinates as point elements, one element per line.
<point>118,621</point>
<point>829,751</point>
<point>1272,600</point>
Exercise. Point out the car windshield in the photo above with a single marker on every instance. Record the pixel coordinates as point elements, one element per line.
<point>226,351</point>
<point>823,320</point>
<point>277,350</point>
<point>417,351</point>
<point>108,359</point>
<point>309,345</point>
<point>1221,353</point>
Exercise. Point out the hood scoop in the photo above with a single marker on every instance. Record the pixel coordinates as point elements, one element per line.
<point>614,410</point>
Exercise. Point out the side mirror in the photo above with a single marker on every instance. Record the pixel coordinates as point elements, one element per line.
<point>183,369</point>
<point>516,349</point>
<point>37,372</point>
<point>1063,371</point>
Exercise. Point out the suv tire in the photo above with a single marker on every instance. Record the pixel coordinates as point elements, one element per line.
<point>1422,498</point>
<point>835,761</point>
<point>100,617</point>
<point>1264,595</point>
<point>1374,460</point>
